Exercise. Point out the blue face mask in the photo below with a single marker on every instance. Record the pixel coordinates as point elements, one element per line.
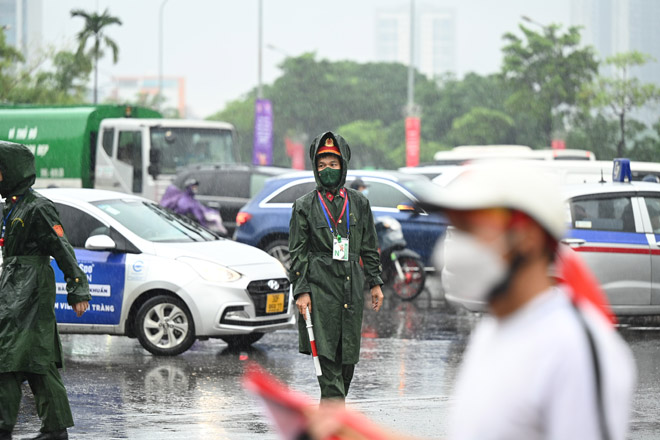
<point>365,192</point>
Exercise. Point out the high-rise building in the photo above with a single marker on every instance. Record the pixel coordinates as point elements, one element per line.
<point>615,26</point>
<point>21,21</point>
<point>435,39</point>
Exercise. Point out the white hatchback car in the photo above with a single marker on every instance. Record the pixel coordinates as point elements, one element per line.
<point>163,279</point>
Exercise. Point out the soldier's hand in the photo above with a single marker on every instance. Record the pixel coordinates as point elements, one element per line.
<point>304,301</point>
<point>376,298</point>
<point>81,308</point>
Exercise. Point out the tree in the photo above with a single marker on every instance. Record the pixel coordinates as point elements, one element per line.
<point>621,93</point>
<point>312,96</point>
<point>94,28</point>
<point>546,72</point>
<point>71,73</point>
<point>451,98</point>
<point>370,146</point>
<point>10,57</point>
<point>482,126</point>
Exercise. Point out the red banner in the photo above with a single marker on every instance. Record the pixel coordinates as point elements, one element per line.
<point>413,128</point>
<point>558,144</point>
<point>296,151</point>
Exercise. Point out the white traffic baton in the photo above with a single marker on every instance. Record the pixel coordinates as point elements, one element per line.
<point>312,342</point>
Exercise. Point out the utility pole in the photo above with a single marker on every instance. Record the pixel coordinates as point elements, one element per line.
<point>411,63</point>
<point>413,124</point>
<point>260,91</point>
<point>160,53</point>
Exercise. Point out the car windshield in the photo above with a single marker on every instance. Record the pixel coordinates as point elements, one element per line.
<point>182,146</point>
<point>154,223</point>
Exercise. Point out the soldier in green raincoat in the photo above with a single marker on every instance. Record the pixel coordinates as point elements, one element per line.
<point>331,229</point>
<point>30,346</point>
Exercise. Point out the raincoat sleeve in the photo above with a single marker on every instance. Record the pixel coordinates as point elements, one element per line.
<point>53,242</point>
<point>299,251</point>
<point>369,251</point>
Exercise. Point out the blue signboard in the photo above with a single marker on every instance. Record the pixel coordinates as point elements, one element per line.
<point>105,273</point>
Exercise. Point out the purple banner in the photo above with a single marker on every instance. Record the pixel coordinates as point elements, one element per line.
<point>262,154</point>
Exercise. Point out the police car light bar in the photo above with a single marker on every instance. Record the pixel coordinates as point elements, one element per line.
<point>621,171</point>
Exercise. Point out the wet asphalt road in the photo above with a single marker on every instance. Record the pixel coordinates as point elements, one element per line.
<point>410,353</point>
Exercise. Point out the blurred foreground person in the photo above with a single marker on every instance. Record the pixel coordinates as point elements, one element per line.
<point>30,346</point>
<point>331,229</point>
<point>548,362</point>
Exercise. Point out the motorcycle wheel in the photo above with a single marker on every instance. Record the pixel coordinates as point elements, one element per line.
<point>414,278</point>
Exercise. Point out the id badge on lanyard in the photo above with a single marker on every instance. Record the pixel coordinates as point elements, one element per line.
<point>339,244</point>
<point>340,248</point>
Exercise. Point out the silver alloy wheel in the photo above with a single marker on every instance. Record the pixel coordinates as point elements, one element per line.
<point>165,325</point>
<point>281,252</point>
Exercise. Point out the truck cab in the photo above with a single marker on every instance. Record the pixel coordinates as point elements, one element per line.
<point>142,156</point>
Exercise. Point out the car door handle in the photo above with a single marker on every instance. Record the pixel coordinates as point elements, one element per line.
<point>573,241</point>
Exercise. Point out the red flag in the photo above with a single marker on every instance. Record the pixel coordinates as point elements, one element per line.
<point>584,287</point>
<point>288,409</point>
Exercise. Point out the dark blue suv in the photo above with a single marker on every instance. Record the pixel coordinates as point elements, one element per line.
<point>264,221</point>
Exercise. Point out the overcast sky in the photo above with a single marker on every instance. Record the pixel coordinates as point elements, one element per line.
<point>213,43</point>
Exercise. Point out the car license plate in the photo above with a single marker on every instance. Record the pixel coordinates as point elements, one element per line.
<point>275,303</point>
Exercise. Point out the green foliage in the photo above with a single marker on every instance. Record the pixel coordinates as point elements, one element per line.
<point>545,72</point>
<point>94,29</point>
<point>31,84</point>
<point>482,126</point>
<point>451,98</point>
<point>241,113</point>
<point>622,93</point>
<point>313,96</point>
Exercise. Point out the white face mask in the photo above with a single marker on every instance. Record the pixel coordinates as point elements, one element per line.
<point>470,269</point>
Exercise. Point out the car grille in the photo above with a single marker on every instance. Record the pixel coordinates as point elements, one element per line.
<point>259,291</point>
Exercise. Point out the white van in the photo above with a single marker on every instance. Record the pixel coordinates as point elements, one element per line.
<point>570,171</point>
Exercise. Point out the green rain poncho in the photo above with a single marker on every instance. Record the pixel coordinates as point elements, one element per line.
<point>336,287</point>
<point>29,340</point>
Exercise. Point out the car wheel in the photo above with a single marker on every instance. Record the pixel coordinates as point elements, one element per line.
<point>280,250</point>
<point>241,341</point>
<point>165,326</point>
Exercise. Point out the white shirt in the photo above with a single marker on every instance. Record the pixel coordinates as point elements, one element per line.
<point>530,376</point>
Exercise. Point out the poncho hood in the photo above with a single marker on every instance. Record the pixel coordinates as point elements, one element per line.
<point>17,167</point>
<point>344,149</point>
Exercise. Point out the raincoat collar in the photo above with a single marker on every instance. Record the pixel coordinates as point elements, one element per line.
<point>345,150</point>
<point>17,167</point>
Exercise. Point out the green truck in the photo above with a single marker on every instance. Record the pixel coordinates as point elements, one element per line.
<point>117,147</point>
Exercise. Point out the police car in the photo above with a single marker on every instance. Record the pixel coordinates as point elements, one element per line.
<point>163,279</point>
<point>615,226</point>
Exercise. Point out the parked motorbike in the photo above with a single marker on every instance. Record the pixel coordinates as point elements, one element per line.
<point>403,269</point>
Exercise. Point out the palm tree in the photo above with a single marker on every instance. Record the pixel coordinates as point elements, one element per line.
<point>94,28</point>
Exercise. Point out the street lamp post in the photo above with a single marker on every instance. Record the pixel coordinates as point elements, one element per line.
<point>411,68</point>
<point>160,52</point>
<point>260,43</point>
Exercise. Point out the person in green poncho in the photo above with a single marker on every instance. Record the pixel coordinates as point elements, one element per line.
<point>30,347</point>
<point>331,230</point>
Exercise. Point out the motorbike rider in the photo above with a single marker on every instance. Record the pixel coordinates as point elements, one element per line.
<point>359,185</point>
<point>185,203</point>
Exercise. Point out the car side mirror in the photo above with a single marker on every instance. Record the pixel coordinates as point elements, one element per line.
<point>100,243</point>
<point>409,207</point>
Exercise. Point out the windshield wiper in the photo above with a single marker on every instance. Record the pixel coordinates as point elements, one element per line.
<point>169,216</point>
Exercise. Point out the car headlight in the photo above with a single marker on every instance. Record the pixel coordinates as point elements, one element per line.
<point>211,271</point>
